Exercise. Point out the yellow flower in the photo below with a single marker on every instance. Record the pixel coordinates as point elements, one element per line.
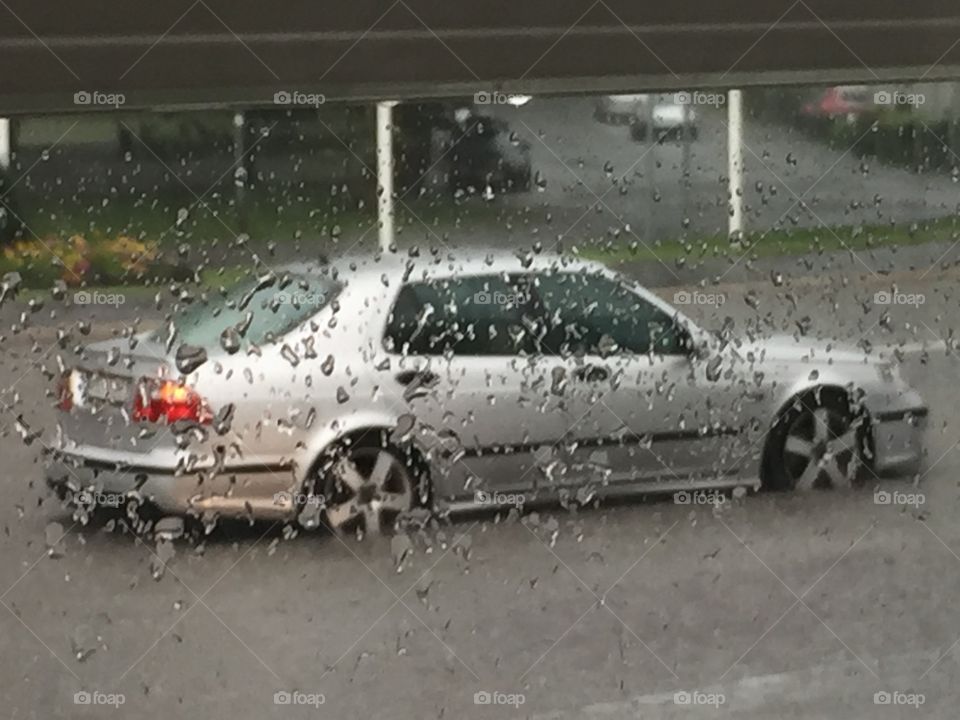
<point>131,253</point>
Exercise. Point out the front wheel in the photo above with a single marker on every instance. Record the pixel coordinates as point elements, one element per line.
<point>816,445</point>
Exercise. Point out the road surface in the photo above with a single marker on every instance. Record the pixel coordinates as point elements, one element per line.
<point>771,605</point>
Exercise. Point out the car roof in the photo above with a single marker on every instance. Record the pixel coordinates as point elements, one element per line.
<point>446,264</point>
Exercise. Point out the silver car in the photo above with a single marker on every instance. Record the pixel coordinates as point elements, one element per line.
<point>352,393</point>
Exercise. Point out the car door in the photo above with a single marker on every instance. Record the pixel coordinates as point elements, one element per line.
<point>466,369</point>
<point>643,405</point>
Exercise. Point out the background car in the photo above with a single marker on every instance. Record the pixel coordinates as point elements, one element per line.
<point>842,101</point>
<point>488,153</point>
<point>617,109</point>
<point>670,118</point>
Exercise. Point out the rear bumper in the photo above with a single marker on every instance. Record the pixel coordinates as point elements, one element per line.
<point>263,491</point>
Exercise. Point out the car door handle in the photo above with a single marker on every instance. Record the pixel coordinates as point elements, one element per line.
<point>592,373</point>
<point>416,377</point>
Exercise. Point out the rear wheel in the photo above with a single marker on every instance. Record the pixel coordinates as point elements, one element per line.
<point>366,488</point>
<point>816,444</point>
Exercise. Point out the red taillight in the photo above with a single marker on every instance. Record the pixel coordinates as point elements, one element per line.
<point>65,392</point>
<point>168,401</point>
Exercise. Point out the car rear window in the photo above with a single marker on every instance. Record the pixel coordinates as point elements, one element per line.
<point>273,310</point>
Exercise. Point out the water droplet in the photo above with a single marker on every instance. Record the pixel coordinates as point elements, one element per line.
<point>288,354</point>
<point>230,340</point>
<point>189,358</point>
<point>327,367</point>
<point>53,537</point>
<point>714,368</point>
<point>540,181</point>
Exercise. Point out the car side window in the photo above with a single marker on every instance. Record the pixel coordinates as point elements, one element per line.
<point>472,315</point>
<point>595,315</point>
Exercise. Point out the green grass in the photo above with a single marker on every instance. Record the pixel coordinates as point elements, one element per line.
<point>315,230</point>
<point>800,241</point>
<point>160,221</point>
<point>172,220</point>
<point>777,243</point>
<point>210,232</point>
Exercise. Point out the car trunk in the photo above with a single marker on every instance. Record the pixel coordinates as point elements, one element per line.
<point>101,390</point>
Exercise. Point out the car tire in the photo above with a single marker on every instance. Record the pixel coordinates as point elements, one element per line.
<point>368,484</point>
<point>818,442</point>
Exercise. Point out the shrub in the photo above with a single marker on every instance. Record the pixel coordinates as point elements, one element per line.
<point>79,261</point>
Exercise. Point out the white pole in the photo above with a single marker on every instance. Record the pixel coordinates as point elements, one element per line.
<point>385,173</point>
<point>687,129</point>
<point>240,175</point>
<point>650,168</point>
<point>5,144</point>
<point>735,161</point>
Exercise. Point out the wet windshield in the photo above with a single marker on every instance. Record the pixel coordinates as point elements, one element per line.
<point>486,459</point>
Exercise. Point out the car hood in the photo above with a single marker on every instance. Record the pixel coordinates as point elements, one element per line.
<point>787,348</point>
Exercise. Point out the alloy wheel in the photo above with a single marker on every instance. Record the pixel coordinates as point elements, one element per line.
<point>822,449</point>
<point>367,489</point>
